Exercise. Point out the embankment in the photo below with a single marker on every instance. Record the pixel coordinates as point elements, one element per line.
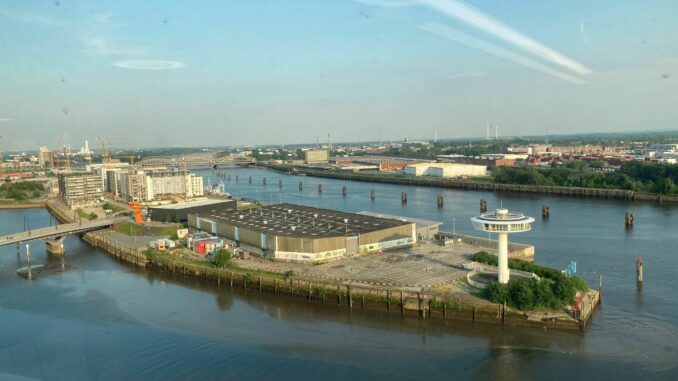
<point>609,194</point>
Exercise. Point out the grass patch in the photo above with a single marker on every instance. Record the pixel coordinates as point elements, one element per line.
<point>115,208</point>
<point>128,228</point>
<point>85,215</point>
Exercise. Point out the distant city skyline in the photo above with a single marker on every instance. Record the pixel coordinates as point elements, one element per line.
<point>172,74</point>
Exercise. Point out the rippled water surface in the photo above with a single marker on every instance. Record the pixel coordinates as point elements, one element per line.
<point>104,320</point>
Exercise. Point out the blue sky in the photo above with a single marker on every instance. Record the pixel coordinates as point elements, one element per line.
<point>180,73</point>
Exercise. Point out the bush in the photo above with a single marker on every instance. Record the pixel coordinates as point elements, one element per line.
<point>289,274</point>
<point>222,258</point>
<point>554,290</point>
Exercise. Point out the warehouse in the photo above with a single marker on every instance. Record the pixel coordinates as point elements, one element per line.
<point>179,212</point>
<point>445,170</point>
<point>291,232</point>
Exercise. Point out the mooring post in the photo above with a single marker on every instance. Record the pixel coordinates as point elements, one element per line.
<point>402,302</point>
<point>18,249</point>
<point>280,184</point>
<point>264,181</point>
<point>373,194</point>
<point>301,185</point>
<point>343,191</point>
<point>228,177</point>
<point>440,201</point>
<point>483,205</point>
<point>320,188</point>
<point>28,256</point>
<point>249,179</point>
<point>628,219</point>
<point>350,296</point>
<point>236,178</point>
<point>639,272</point>
<point>403,198</point>
<point>545,211</point>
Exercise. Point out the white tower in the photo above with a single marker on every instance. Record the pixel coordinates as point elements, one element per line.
<point>502,222</point>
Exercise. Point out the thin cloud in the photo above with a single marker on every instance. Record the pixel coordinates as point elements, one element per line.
<point>468,74</point>
<point>463,38</point>
<point>102,46</point>
<point>33,18</point>
<point>149,64</point>
<point>389,3</point>
<point>492,26</point>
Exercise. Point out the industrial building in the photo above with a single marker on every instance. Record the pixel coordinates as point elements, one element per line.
<point>445,170</point>
<point>179,212</point>
<point>78,189</point>
<point>316,156</point>
<point>426,229</point>
<point>291,232</point>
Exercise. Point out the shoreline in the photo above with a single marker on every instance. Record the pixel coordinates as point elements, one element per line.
<point>413,301</point>
<point>596,193</point>
<point>23,205</point>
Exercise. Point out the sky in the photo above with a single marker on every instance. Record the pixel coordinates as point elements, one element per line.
<point>170,73</point>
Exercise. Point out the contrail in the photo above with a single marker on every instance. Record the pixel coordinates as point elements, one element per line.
<point>490,25</point>
<point>463,38</point>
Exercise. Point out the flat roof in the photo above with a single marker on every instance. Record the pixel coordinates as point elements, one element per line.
<point>302,221</point>
<point>192,204</point>
<point>419,221</point>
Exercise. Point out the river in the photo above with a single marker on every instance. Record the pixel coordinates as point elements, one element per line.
<point>104,320</point>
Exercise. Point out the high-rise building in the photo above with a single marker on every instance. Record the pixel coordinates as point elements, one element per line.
<point>44,156</point>
<point>78,189</point>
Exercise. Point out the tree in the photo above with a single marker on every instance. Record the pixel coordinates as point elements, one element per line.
<point>222,258</point>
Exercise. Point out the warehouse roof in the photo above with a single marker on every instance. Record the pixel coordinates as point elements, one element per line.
<point>421,223</point>
<point>303,221</point>
<point>193,204</point>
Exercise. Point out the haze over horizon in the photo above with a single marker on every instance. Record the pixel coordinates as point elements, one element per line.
<point>260,72</point>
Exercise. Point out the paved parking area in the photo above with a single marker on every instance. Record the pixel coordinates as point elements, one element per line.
<point>427,265</point>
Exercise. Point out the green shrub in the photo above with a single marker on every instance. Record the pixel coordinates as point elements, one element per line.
<point>554,290</point>
<point>289,274</point>
<point>222,258</point>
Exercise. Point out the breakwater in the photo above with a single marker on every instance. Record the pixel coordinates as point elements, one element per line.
<point>610,194</point>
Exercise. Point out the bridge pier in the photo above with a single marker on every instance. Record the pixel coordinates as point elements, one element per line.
<point>55,246</point>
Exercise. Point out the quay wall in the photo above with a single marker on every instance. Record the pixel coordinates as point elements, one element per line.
<point>611,194</point>
<point>421,302</point>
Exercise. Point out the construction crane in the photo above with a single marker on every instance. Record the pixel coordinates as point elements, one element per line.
<point>106,155</point>
<point>186,179</point>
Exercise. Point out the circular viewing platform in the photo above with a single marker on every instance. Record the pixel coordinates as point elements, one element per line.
<point>501,220</point>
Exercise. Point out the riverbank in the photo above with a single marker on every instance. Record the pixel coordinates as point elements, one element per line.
<point>22,205</point>
<point>378,177</point>
<point>426,302</point>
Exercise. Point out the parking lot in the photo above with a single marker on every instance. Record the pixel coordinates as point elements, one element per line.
<point>427,265</point>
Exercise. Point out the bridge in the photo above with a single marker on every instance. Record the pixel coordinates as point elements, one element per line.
<point>195,160</point>
<point>54,235</point>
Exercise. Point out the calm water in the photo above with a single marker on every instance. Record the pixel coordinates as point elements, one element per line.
<point>103,320</point>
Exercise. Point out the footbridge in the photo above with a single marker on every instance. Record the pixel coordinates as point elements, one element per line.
<point>54,235</point>
<point>207,160</point>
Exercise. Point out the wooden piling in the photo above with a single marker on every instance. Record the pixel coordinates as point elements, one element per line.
<point>639,271</point>
<point>403,198</point>
<point>320,188</point>
<point>264,181</point>
<point>343,191</point>
<point>628,219</point>
<point>483,205</point>
<point>373,194</point>
<point>301,185</point>
<point>545,211</point>
<point>249,179</point>
<point>440,201</point>
<point>280,184</point>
